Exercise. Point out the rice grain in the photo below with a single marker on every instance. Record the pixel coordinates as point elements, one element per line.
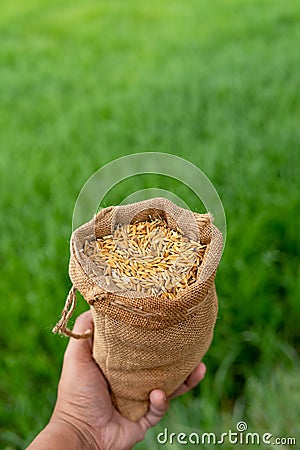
<point>147,257</point>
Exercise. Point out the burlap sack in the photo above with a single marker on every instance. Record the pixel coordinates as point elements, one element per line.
<point>143,343</point>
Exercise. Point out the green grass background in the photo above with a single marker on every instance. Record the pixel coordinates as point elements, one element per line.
<point>85,82</point>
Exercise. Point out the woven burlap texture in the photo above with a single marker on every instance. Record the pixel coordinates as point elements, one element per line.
<point>143,343</point>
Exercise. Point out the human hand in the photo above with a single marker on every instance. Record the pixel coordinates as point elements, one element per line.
<point>84,411</point>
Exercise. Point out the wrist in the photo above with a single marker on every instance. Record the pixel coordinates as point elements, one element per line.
<point>81,436</point>
<point>56,436</point>
<point>61,434</point>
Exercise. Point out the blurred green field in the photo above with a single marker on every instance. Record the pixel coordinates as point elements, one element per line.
<point>85,82</point>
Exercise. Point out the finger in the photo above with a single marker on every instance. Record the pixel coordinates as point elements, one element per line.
<point>193,379</point>
<point>81,348</point>
<point>157,409</point>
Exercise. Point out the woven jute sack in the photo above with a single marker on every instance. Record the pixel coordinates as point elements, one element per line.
<point>145,342</point>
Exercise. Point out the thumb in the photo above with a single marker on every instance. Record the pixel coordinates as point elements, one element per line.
<point>81,349</point>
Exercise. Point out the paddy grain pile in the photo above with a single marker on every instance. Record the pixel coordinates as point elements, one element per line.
<point>147,257</point>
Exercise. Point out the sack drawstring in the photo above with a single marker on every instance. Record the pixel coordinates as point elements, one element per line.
<point>61,326</point>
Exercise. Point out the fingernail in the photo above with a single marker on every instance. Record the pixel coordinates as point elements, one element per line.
<point>203,369</point>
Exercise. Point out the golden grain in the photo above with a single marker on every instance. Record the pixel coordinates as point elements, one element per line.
<point>147,257</point>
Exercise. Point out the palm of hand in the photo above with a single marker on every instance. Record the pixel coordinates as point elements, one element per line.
<point>84,400</point>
